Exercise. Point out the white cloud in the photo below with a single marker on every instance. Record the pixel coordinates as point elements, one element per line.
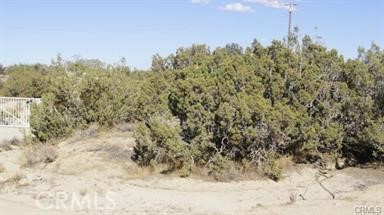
<point>270,3</point>
<point>201,1</point>
<point>237,7</point>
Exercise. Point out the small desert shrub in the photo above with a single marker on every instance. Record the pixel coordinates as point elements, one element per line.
<point>222,169</point>
<point>272,170</point>
<point>158,141</point>
<point>49,121</point>
<point>274,166</point>
<point>38,153</point>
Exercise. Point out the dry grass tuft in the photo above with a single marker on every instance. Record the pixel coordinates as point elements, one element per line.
<point>114,152</point>
<point>38,153</point>
<point>285,163</point>
<point>125,127</point>
<point>14,179</point>
<point>7,144</point>
<point>91,131</point>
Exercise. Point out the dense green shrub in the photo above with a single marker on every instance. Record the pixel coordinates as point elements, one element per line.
<point>85,94</point>
<point>272,170</point>
<point>158,141</point>
<point>222,168</point>
<point>232,105</point>
<point>306,103</point>
<point>104,97</point>
<point>48,122</point>
<point>60,111</point>
<point>25,81</point>
<point>149,95</point>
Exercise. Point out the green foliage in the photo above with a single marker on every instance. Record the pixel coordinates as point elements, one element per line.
<point>25,81</point>
<point>82,93</point>
<point>306,102</point>
<point>158,141</point>
<point>230,105</point>
<point>222,168</point>
<point>48,122</point>
<point>104,97</point>
<point>149,95</point>
<point>273,170</point>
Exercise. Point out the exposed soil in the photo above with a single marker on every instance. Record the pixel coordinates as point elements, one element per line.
<point>101,165</point>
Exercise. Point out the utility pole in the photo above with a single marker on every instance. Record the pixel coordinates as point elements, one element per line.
<point>291,7</point>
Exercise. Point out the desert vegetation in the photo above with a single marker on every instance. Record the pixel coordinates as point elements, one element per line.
<point>228,109</point>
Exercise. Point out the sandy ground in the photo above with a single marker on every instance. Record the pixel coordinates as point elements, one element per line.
<point>100,169</point>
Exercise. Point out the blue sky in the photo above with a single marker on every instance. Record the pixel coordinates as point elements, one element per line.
<point>37,30</point>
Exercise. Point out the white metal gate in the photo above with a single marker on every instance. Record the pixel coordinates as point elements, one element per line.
<point>15,114</point>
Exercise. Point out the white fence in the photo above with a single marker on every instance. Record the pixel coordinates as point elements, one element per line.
<point>15,116</point>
